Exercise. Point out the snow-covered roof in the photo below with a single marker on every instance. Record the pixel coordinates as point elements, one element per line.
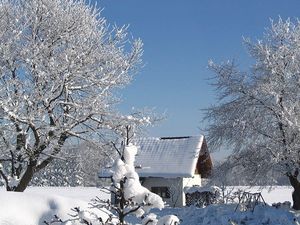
<point>168,157</point>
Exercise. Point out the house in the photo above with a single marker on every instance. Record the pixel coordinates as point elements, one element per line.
<point>167,165</point>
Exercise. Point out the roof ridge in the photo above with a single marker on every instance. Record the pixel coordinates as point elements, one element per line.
<point>174,137</point>
<point>168,137</point>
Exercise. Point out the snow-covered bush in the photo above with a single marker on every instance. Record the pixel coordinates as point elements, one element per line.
<point>131,197</point>
<point>164,220</point>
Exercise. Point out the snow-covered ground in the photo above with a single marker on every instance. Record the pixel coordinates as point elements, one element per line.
<point>37,204</point>
<point>270,194</point>
<point>226,215</point>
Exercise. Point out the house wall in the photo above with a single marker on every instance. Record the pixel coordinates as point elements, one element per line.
<point>192,181</point>
<point>175,186</point>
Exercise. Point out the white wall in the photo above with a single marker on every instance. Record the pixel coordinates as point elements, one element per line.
<point>174,184</point>
<point>191,181</point>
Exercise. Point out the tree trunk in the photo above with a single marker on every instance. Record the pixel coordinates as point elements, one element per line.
<point>296,199</point>
<point>122,202</point>
<point>25,180</point>
<point>296,193</point>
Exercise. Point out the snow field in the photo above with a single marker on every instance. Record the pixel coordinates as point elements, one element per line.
<point>37,204</point>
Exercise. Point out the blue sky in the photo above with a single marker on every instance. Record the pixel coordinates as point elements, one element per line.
<point>180,36</point>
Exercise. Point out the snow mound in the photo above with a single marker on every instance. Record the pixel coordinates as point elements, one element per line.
<point>28,208</point>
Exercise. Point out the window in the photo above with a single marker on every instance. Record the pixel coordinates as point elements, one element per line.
<point>163,192</point>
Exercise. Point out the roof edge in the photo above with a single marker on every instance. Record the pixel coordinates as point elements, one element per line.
<point>199,146</point>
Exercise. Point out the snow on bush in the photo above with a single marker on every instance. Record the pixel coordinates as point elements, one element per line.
<point>133,189</point>
<point>168,219</point>
<point>132,196</point>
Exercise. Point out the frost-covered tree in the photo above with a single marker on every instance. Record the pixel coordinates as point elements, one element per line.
<point>60,63</point>
<point>76,165</point>
<point>79,164</point>
<point>61,172</point>
<point>258,113</point>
